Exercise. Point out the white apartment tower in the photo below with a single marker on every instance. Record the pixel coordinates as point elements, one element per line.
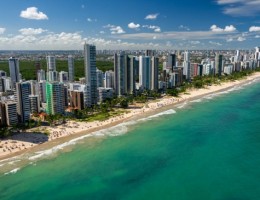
<point>186,65</point>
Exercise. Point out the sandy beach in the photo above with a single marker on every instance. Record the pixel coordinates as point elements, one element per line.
<point>23,142</point>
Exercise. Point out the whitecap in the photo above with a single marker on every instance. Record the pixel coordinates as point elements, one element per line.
<point>182,105</point>
<point>12,171</point>
<point>196,101</point>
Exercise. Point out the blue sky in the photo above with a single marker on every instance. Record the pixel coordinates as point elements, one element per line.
<point>129,24</point>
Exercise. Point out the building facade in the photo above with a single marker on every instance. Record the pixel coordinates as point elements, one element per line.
<point>55,98</point>
<point>91,71</point>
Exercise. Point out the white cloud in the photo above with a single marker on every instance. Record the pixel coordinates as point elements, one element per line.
<point>32,13</point>
<point>257,36</point>
<point>240,7</point>
<point>229,39</point>
<point>254,28</point>
<point>195,42</point>
<point>2,30</point>
<point>152,16</point>
<point>184,27</point>
<point>215,43</point>
<point>91,20</point>
<point>31,31</point>
<point>230,28</point>
<point>155,28</point>
<point>115,29</point>
<point>102,32</point>
<point>215,28</point>
<point>241,39</point>
<point>133,25</point>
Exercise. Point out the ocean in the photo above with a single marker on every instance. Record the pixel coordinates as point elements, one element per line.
<point>208,148</point>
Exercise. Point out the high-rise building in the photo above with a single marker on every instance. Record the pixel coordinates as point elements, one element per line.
<point>34,103</point>
<point>77,100</point>
<point>42,91</point>
<point>71,68</point>
<point>34,89</point>
<point>7,84</point>
<point>23,102</point>
<point>218,64</point>
<point>51,63</point>
<point>149,52</point>
<point>55,98</point>
<point>109,79</point>
<point>105,93</point>
<point>2,73</point>
<point>132,74</point>
<point>145,72</point>
<point>64,77</point>
<point>90,71</point>
<point>186,65</point>
<point>8,113</point>
<point>14,70</point>
<point>41,75</point>
<point>154,73</point>
<point>53,76</point>
<point>85,89</point>
<point>100,78</point>
<point>120,70</point>
<point>2,84</point>
<point>171,61</point>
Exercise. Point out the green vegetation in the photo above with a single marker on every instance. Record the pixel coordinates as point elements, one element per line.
<point>28,70</point>
<point>203,81</point>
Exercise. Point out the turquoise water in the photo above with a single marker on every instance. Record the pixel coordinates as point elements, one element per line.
<point>208,149</point>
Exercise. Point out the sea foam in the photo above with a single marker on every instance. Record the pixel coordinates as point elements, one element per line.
<point>12,171</point>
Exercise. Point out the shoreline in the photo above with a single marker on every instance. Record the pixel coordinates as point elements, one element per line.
<point>30,141</point>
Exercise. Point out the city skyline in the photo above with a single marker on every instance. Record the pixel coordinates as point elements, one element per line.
<point>187,24</point>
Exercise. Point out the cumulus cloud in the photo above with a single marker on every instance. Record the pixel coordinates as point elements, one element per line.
<point>2,30</point>
<point>155,28</point>
<point>115,29</point>
<point>215,28</point>
<point>254,28</point>
<point>195,42</point>
<point>31,31</point>
<point>229,39</point>
<point>240,7</point>
<point>184,27</point>
<point>132,25</point>
<point>152,16</point>
<point>91,20</point>
<point>33,13</point>
<point>215,43</point>
<point>241,39</point>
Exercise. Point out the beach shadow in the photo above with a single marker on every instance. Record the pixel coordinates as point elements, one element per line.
<point>35,137</point>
